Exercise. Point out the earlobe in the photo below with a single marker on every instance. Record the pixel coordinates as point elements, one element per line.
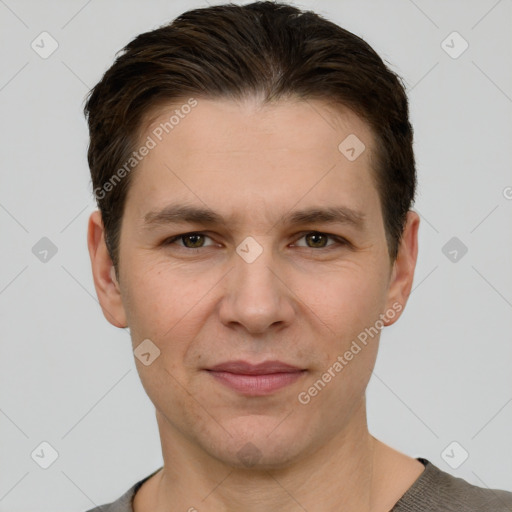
<point>105,281</point>
<point>402,275</point>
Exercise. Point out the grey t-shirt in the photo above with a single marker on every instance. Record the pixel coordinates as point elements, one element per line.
<point>433,491</point>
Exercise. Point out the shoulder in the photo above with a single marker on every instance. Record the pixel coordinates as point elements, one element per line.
<point>436,490</point>
<point>125,502</point>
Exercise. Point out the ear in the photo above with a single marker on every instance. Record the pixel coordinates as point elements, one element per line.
<point>105,282</point>
<point>402,275</point>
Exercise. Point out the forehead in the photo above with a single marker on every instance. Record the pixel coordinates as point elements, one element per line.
<point>246,153</point>
<point>308,124</point>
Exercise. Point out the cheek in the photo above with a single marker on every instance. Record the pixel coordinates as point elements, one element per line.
<point>169,306</point>
<point>346,300</point>
<point>158,296</point>
<point>346,310</point>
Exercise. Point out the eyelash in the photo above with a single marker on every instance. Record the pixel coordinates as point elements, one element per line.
<point>339,240</point>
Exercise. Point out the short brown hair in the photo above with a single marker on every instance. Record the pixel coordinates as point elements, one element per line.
<point>228,51</point>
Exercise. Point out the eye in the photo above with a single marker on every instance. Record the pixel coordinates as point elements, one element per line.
<point>318,240</point>
<point>190,240</point>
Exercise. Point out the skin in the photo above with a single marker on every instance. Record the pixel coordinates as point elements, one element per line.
<point>299,302</point>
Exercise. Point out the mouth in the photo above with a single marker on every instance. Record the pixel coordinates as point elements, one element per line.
<point>256,379</point>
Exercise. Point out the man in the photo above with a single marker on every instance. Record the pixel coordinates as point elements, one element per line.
<point>254,173</point>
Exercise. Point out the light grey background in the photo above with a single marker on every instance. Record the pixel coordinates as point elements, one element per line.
<point>68,377</point>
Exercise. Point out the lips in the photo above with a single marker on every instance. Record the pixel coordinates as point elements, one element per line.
<point>245,368</point>
<point>256,379</point>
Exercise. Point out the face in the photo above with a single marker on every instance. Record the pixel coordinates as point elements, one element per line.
<point>255,280</point>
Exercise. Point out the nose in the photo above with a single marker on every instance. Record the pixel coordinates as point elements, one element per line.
<point>257,295</point>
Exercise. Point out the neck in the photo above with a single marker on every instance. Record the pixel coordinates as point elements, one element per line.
<point>345,474</point>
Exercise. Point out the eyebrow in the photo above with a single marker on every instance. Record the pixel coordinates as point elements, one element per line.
<point>184,213</point>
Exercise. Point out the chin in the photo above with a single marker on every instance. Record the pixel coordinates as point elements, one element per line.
<point>258,448</point>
